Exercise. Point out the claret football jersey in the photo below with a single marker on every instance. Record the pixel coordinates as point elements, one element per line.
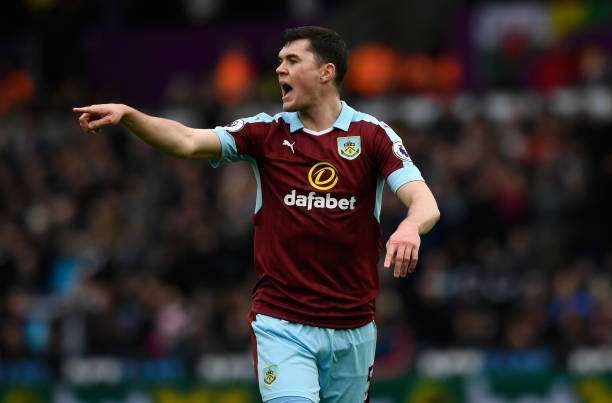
<point>317,235</point>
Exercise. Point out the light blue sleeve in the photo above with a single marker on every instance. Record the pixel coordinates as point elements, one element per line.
<point>408,173</point>
<point>229,149</point>
<point>229,152</point>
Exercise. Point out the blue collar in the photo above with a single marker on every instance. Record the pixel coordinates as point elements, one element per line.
<point>343,122</point>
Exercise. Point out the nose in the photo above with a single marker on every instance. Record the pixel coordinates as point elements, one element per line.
<point>281,69</point>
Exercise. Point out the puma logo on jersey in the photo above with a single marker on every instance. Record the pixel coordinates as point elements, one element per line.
<point>290,145</point>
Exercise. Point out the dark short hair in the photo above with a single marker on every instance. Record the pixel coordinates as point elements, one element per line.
<point>327,45</point>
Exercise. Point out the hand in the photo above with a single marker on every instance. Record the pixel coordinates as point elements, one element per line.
<point>403,249</point>
<point>96,116</point>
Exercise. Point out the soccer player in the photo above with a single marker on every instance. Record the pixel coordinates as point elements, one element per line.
<point>320,168</point>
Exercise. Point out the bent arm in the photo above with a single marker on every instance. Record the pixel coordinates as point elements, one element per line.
<point>166,135</point>
<point>422,207</point>
<point>403,245</point>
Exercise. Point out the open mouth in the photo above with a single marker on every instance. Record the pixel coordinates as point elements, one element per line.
<point>285,89</point>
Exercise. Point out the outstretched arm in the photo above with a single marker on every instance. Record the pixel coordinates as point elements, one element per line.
<point>164,134</point>
<point>403,245</point>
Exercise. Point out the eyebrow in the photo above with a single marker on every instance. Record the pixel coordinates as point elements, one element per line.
<point>288,56</point>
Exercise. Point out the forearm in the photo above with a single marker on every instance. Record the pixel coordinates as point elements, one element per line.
<point>424,213</point>
<point>422,207</point>
<point>164,134</point>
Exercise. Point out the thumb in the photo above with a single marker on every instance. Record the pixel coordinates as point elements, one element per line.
<point>96,124</point>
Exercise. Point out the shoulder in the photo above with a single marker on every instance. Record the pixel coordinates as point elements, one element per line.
<point>279,118</point>
<point>378,127</point>
<point>261,119</point>
<point>286,117</point>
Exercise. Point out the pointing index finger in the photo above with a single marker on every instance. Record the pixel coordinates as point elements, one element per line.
<point>82,109</point>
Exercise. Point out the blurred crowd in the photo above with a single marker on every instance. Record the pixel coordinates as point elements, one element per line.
<point>108,246</point>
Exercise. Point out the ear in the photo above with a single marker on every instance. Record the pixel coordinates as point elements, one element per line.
<point>327,72</point>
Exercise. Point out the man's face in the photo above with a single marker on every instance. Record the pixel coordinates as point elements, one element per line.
<point>298,75</point>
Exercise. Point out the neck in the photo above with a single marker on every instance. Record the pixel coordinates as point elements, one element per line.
<point>322,115</point>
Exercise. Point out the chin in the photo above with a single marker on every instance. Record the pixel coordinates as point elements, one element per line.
<point>290,107</point>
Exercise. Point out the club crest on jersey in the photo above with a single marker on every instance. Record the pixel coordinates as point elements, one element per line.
<point>270,374</point>
<point>349,147</point>
<point>235,126</point>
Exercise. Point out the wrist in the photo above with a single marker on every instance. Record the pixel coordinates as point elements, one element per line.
<point>127,113</point>
<point>410,222</point>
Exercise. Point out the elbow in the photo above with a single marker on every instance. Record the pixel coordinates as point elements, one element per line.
<point>186,143</point>
<point>186,150</point>
<point>180,154</point>
<point>433,219</point>
<point>436,215</point>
